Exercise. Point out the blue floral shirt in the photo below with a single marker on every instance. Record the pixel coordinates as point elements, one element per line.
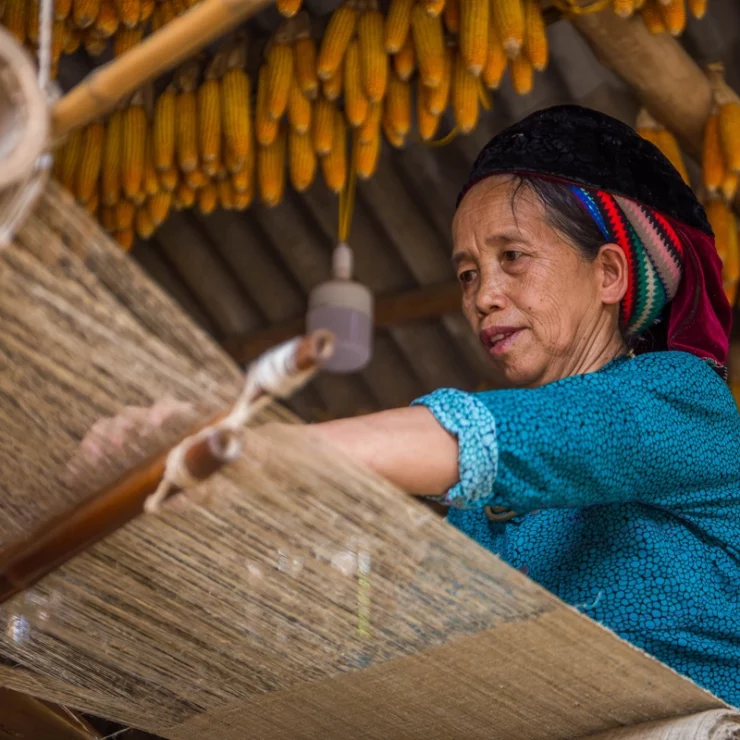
<point>626,488</point>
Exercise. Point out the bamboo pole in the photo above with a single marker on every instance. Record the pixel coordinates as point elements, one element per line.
<point>24,563</point>
<point>99,92</point>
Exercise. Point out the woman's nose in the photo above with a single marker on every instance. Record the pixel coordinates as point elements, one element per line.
<point>489,296</point>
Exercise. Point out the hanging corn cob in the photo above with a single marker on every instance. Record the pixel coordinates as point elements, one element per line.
<point>365,154</point>
<point>304,53</point>
<point>474,18</point>
<point>72,159</point>
<point>125,211</point>
<point>299,109</point>
<point>62,9</point>
<point>332,88</point>
<point>728,103</point>
<point>207,199</point>
<point>451,16</point>
<point>673,13</point>
<point>209,111</point>
<point>32,21</point>
<point>323,126</point>
<point>652,17</point>
<point>371,128</point>
<point>94,43</point>
<point>15,19</point>
<point>184,196</point>
<point>129,11</point>
<point>373,59</point>
<point>697,8</point>
<point>74,40</point>
<point>143,224</point>
<point>107,20</point>
<point>393,137</point>
<point>437,98</point>
<point>288,8</point>
<point>656,133</point>
<point>731,266</point>
<point>266,127</point>
<point>271,169</point>
<point>713,165</point>
<point>125,238</point>
<point>302,160</point>
<point>535,35</point>
<point>159,207</point>
<point>236,116</point>
<point>404,62</point>
<point>133,148</point>
<point>508,16</point>
<point>430,48</point>
<point>110,171</point>
<point>225,194</point>
<point>168,179</point>
<point>90,162</point>
<point>496,61</point>
<point>163,128</point>
<point>279,59</point>
<point>84,12</point>
<point>398,106</point>
<point>336,38</point>
<point>107,218</point>
<point>397,24</point>
<point>464,96</point>
<point>522,74</point>
<point>355,100</point>
<point>426,122</point>
<point>126,38</point>
<point>242,181</point>
<point>150,181</point>
<point>624,8</point>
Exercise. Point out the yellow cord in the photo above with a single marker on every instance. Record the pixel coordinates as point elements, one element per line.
<point>444,140</point>
<point>347,202</point>
<point>571,7</point>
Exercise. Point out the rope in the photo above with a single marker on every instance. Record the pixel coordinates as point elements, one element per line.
<point>273,375</point>
<point>46,20</point>
<point>347,203</point>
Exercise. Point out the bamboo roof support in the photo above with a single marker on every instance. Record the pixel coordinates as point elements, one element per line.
<point>99,92</point>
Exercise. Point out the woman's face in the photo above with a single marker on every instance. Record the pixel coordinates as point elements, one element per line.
<point>542,311</point>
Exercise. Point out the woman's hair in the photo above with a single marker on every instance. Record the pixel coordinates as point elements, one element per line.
<point>565,214</point>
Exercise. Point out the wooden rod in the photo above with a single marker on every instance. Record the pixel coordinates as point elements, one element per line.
<point>24,563</point>
<point>103,88</point>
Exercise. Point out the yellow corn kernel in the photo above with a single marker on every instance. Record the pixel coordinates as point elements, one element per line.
<point>719,215</point>
<point>522,75</point>
<point>404,62</point>
<point>464,96</point>
<point>338,34</point>
<point>211,168</point>
<point>196,179</point>
<point>266,127</point>
<point>729,186</point>
<point>106,22</point>
<point>496,62</point>
<point>332,88</point>
<point>535,35</point>
<point>334,164</point>
<point>187,131</point>
<point>395,139</point>
<point>92,204</point>
<point>271,170</point>
<point>129,11</point>
<point>299,109</point>
<point>163,129</point>
<point>94,44</point>
<point>288,8</point>
<point>474,22</point>
<point>125,39</point>
<point>373,59</point>
<point>209,120</point>
<point>32,21</point>
<point>365,155</point>
<point>207,199</point>
<point>712,166</point>
<point>125,238</point>
<point>125,211</point>
<point>371,128</point>
<point>624,8</point>
<point>107,217</point>
<point>159,207</point>
<point>652,17</point>
<point>430,47</point>
<point>15,19</point>
<point>397,24</point>
<point>241,201</point>
<point>169,179</point>
<point>438,98</point>
<point>62,9</point>
<point>242,180</point>
<point>74,40</point>
<point>91,161</point>
<point>304,51</point>
<point>59,36</point>
<point>184,196</point>
<point>280,66</point>
<point>731,266</point>
<point>669,146</point>
<point>398,105</point>
<point>225,194</point>
<point>133,151</point>
<point>147,8</point>
<point>232,163</point>
<point>355,100</point>
<point>72,160</point>
<point>143,223</point>
<point>451,16</point>
<point>697,8</point>
<point>84,12</point>
<point>302,160</point>
<point>508,15</point>
<point>674,16</point>
<point>434,7</point>
<point>323,126</point>
<point>110,172</point>
<point>729,134</point>
<point>426,122</point>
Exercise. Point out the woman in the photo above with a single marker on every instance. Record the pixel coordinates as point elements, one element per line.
<point>607,466</point>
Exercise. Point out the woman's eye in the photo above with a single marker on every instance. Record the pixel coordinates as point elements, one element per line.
<point>511,255</point>
<point>467,276</point>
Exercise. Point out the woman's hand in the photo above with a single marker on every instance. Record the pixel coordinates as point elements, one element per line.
<point>406,446</point>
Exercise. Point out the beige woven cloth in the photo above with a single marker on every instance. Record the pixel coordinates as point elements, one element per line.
<point>716,724</point>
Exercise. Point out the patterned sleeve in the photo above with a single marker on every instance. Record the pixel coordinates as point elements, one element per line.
<point>605,437</point>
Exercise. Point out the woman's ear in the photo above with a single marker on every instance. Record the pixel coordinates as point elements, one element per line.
<point>613,268</point>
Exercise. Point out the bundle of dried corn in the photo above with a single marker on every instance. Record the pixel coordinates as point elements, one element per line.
<point>662,16</point>
<point>657,134</point>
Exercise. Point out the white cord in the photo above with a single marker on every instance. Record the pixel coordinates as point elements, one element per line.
<point>46,20</point>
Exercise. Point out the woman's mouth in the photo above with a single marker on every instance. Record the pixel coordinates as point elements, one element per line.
<point>499,341</point>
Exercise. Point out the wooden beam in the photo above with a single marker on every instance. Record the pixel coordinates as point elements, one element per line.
<point>429,302</point>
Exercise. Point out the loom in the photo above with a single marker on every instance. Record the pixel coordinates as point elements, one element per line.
<point>292,594</point>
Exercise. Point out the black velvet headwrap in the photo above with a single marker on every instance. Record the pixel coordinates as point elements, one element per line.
<point>588,148</point>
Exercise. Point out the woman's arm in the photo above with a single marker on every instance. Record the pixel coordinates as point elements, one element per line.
<point>406,446</point>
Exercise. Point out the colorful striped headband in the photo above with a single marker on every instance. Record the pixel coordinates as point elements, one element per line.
<point>655,254</point>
